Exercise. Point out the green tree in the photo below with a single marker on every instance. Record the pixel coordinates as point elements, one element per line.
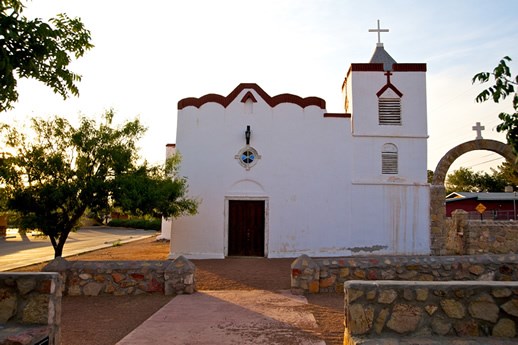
<point>429,176</point>
<point>504,86</point>
<point>491,182</point>
<point>63,170</point>
<point>461,180</point>
<point>465,180</point>
<point>136,191</point>
<point>39,50</point>
<point>508,171</point>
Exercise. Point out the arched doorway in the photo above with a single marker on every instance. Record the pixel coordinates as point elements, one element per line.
<point>437,189</point>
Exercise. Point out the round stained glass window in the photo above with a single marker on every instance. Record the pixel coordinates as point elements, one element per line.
<point>247,157</point>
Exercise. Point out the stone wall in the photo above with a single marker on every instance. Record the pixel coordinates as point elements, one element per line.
<point>93,278</point>
<point>382,309</point>
<point>30,308</point>
<point>471,237</point>
<point>437,219</point>
<point>329,274</point>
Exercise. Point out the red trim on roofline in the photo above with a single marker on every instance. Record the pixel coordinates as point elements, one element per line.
<point>338,115</point>
<point>367,67</point>
<point>170,145</point>
<point>378,67</point>
<point>248,96</point>
<point>389,86</point>
<point>409,67</point>
<point>272,101</point>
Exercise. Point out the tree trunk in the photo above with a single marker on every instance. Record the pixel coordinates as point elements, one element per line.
<point>3,226</point>
<point>58,249</point>
<point>54,243</point>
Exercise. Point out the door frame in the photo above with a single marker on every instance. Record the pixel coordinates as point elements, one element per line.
<point>266,219</point>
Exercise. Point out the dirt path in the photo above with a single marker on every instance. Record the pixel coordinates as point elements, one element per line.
<point>104,320</point>
<point>243,274</point>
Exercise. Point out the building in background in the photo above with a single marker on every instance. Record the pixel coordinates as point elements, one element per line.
<point>495,206</point>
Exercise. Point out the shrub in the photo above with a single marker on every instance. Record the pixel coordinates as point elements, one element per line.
<point>146,224</point>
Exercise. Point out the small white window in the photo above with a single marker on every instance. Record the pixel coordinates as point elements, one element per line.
<point>389,110</point>
<point>389,159</point>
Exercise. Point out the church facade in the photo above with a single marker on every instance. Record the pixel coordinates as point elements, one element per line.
<point>279,176</point>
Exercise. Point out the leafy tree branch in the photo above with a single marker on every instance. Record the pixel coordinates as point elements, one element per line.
<point>504,85</point>
<point>32,48</point>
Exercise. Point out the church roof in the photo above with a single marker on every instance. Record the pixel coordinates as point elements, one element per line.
<point>484,196</point>
<point>272,101</point>
<point>381,56</point>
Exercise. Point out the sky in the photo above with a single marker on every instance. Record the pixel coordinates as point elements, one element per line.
<point>150,54</point>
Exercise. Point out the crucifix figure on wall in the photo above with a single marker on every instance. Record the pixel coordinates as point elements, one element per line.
<point>247,135</point>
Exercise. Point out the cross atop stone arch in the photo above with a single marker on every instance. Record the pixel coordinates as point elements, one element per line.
<point>438,191</point>
<point>478,128</point>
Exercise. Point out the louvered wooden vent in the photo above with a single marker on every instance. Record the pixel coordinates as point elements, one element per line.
<point>389,111</point>
<point>389,163</point>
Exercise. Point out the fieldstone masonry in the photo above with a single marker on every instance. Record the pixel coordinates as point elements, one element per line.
<point>444,164</point>
<point>30,308</point>
<point>392,310</point>
<point>472,237</point>
<point>329,274</point>
<point>437,220</point>
<point>438,229</point>
<point>305,275</point>
<point>94,278</point>
<point>179,277</point>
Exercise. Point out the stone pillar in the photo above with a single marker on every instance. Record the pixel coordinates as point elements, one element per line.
<point>179,277</point>
<point>437,220</point>
<point>457,233</point>
<point>305,275</point>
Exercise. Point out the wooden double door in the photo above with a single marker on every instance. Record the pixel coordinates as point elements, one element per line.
<point>246,227</point>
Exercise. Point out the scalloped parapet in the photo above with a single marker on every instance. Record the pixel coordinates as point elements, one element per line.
<point>271,101</point>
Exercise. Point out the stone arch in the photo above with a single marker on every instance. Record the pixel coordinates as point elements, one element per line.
<point>439,175</point>
<point>437,189</point>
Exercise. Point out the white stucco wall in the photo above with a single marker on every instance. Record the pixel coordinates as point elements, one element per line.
<point>394,220</point>
<point>302,165</point>
<point>320,177</point>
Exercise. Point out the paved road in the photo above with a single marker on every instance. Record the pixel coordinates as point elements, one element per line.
<point>22,250</point>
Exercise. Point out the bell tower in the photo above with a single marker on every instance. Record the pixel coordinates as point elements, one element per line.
<point>387,104</point>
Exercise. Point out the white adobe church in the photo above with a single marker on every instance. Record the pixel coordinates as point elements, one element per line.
<point>279,176</point>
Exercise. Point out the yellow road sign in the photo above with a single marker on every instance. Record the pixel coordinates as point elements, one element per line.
<point>480,208</point>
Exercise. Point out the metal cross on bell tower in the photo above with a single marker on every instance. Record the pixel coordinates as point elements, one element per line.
<point>379,31</point>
